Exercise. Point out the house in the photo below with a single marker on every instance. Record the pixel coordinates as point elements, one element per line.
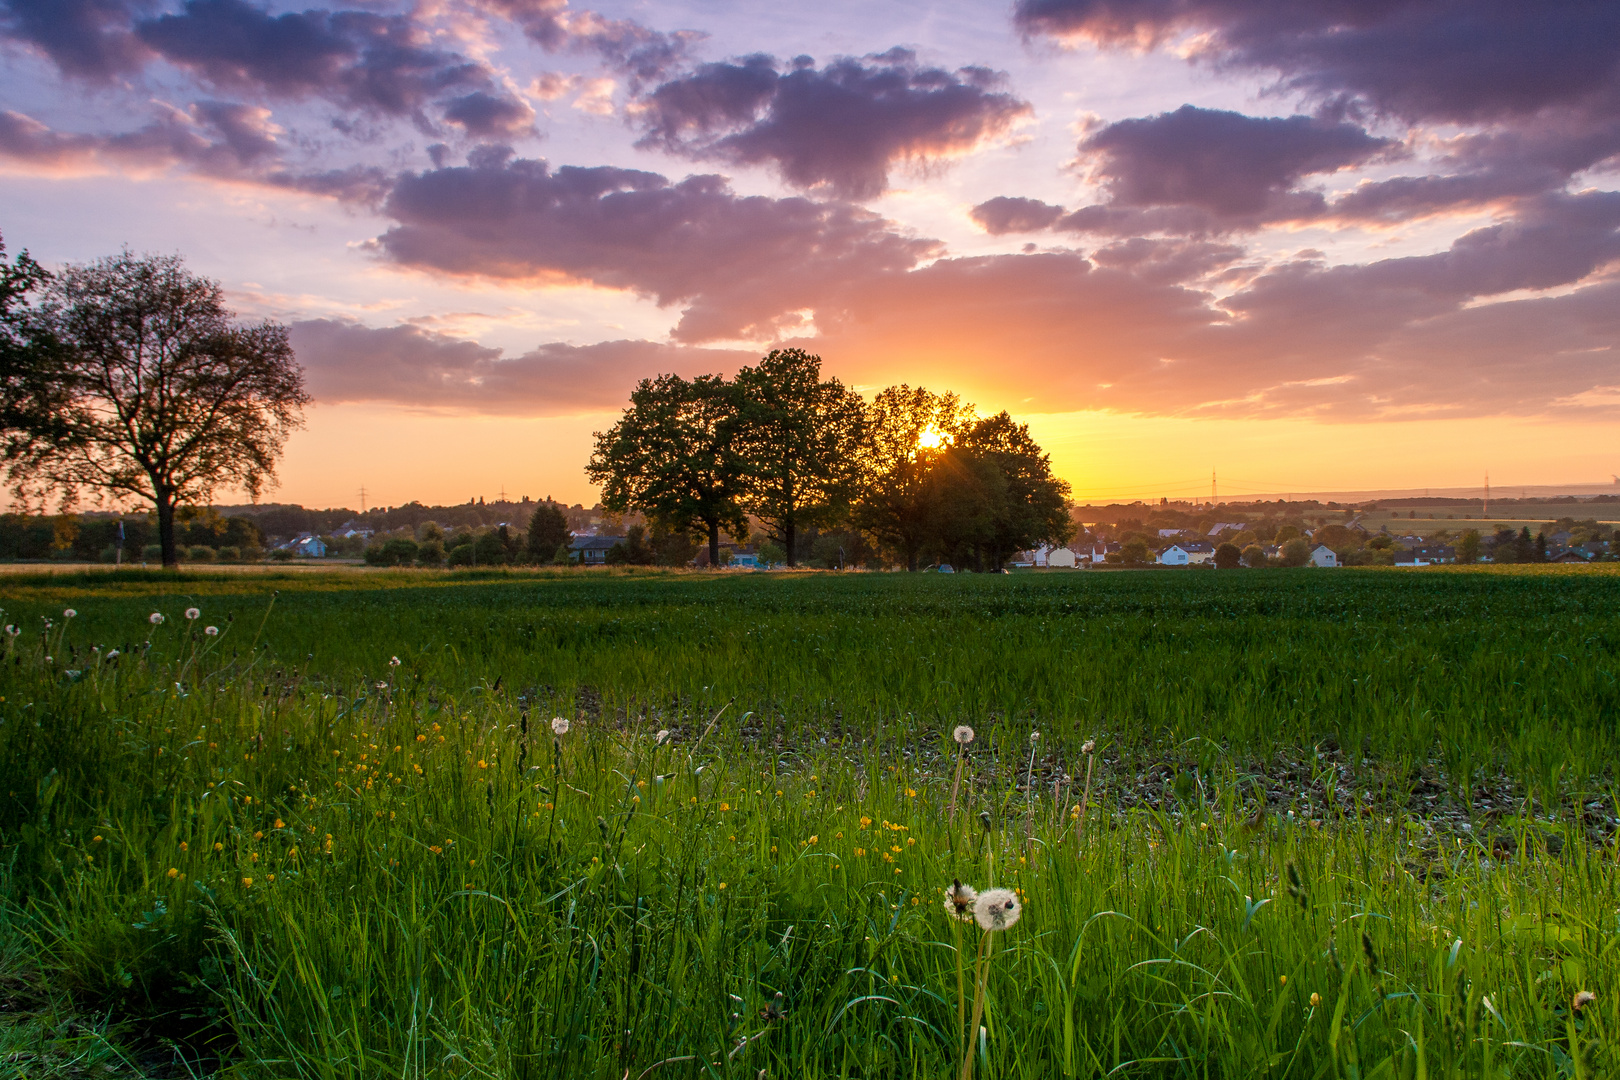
<point>355,528</point>
<point>1174,555</point>
<point>743,555</point>
<point>1573,555</point>
<point>1165,534</point>
<point>1222,526</point>
<point>1425,555</point>
<point>1198,552</point>
<point>1322,555</point>
<point>307,546</point>
<point>1043,556</point>
<point>591,550</point>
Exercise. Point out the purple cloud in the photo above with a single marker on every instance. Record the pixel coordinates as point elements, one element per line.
<point>843,126</point>
<point>644,54</point>
<point>405,365</point>
<point>743,266</point>
<point>88,39</point>
<point>1007,214</point>
<point>1236,167</point>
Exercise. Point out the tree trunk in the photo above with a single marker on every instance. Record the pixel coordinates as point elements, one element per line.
<point>165,513</point>
<point>788,532</point>
<point>714,544</point>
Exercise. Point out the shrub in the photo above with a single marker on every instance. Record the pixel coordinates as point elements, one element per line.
<point>152,553</point>
<point>1296,552</point>
<point>1228,556</point>
<point>460,555</point>
<point>281,555</point>
<point>430,552</point>
<point>1254,555</point>
<point>230,553</point>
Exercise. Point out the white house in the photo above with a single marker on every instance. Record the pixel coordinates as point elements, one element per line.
<point>1198,552</point>
<point>310,547</point>
<point>1056,557</point>
<point>1322,555</point>
<point>1174,555</point>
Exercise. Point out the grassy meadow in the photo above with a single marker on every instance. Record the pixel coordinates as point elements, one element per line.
<point>1287,824</point>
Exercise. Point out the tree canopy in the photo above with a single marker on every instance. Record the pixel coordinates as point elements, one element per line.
<point>156,394</point>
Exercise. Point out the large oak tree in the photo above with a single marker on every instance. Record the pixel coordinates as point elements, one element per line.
<point>907,428</point>
<point>674,456</point>
<point>161,396</point>
<point>799,435</point>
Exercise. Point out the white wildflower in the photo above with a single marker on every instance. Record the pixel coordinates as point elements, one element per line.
<point>211,630</point>
<point>963,735</point>
<point>959,900</point>
<point>393,661</point>
<point>997,909</point>
<point>559,726</point>
<point>68,613</point>
<point>155,618</point>
<point>192,613</point>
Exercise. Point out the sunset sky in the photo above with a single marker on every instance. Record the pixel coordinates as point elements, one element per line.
<point>1324,245</point>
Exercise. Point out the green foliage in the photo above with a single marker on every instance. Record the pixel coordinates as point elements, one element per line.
<point>1228,556</point>
<point>548,530</point>
<point>413,877</point>
<point>430,553</point>
<point>1296,551</point>
<point>1254,555</point>
<point>1469,547</point>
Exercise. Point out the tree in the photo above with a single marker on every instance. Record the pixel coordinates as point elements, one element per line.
<point>1228,556</point>
<point>907,428</point>
<point>1295,552</point>
<point>548,531</point>
<point>1469,547</point>
<point>991,493</point>
<point>674,457</point>
<point>799,434</point>
<point>1254,556</point>
<point>633,549</point>
<point>27,353</point>
<point>160,396</point>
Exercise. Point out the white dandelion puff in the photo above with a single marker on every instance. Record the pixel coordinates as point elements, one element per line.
<point>393,661</point>
<point>68,613</point>
<point>959,899</point>
<point>1034,737</point>
<point>662,736</point>
<point>12,631</point>
<point>559,725</point>
<point>112,654</point>
<point>963,735</point>
<point>997,909</point>
<point>192,614</point>
<point>1088,746</point>
<point>155,618</point>
<point>211,630</point>
<point>1583,999</point>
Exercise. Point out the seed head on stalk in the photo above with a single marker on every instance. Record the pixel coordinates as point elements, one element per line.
<point>959,901</point>
<point>559,726</point>
<point>997,909</point>
<point>192,614</point>
<point>963,735</point>
<point>156,618</point>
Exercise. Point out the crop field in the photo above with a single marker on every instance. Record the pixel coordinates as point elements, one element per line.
<point>649,825</point>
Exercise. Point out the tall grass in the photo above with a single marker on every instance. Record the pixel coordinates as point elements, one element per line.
<point>272,847</point>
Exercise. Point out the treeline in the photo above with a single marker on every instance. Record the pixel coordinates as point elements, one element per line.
<point>912,475</point>
<point>282,521</point>
<point>203,533</point>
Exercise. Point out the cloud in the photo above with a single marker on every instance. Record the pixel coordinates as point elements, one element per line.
<point>485,115</point>
<point>88,39</point>
<point>1138,327</point>
<point>378,63</point>
<point>1006,214</point>
<point>1417,59</point>
<point>743,267</point>
<point>1234,166</point>
<point>629,47</point>
<point>348,362</point>
<point>222,140</point>
<point>842,127</point>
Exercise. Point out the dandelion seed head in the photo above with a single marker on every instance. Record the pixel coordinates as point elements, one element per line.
<point>12,631</point>
<point>1088,746</point>
<point>662,737</point>
<point>1583,999</point>
<point>155,618</point>
<point>211,631</point>
<point>192,613</point>
<point>963,735</point>
<point>959,900</point>
<point>559,725</point>
<point>1034,737</point>
<point>68,613</point>
<point>112,653</point>
<point>997,909</point>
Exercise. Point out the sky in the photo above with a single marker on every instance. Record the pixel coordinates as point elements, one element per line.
<point>1325,245</point>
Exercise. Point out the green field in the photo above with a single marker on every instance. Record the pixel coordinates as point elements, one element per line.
<point>1347,824</point>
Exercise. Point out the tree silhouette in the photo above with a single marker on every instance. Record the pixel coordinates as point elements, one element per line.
<point>160,396</point>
